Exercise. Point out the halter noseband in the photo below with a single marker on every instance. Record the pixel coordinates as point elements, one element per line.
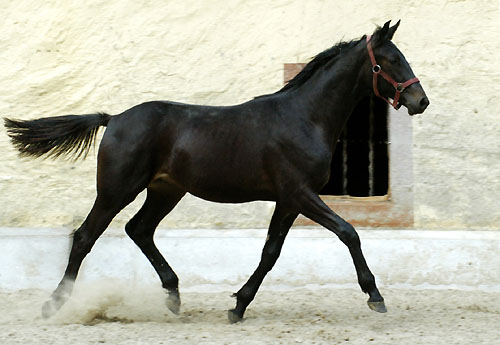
<point>376,69</point>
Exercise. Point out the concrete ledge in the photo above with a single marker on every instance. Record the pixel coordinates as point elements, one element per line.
<point>36,258</point>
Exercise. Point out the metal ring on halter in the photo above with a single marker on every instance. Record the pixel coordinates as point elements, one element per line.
<point>376,69</point>
<point>400,87</point>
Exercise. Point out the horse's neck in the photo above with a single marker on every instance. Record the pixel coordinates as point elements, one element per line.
<point>329,97</point>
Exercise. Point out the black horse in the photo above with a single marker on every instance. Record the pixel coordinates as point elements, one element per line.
<point>276,147</point>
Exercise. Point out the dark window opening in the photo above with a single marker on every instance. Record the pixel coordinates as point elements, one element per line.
<point>360,164</point>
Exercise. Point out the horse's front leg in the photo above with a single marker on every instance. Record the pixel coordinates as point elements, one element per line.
<point>311,206</point>
<point>281,222</point>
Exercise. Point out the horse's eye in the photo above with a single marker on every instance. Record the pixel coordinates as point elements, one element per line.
<point>393,60</point>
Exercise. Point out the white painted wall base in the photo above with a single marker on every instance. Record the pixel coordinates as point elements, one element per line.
<point>36,258</point>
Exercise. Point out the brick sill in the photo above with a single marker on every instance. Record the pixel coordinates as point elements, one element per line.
<point>371,212</point>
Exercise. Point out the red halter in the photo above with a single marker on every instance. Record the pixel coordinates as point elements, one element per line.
<point>376,69</point>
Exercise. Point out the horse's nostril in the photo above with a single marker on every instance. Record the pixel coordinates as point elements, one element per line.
<point>424,102</point>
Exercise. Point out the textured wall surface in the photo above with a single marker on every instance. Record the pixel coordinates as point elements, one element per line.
<point>60,57</point>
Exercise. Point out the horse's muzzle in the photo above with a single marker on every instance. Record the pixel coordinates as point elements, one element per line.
<point>415,99</point>
<point>420,107</point>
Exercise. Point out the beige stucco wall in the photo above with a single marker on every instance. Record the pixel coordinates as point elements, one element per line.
<point>62,57</point>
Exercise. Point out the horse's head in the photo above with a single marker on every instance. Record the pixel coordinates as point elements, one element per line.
<point>391,75</point>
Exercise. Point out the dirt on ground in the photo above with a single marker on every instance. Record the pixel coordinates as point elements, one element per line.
<point>128,313</point>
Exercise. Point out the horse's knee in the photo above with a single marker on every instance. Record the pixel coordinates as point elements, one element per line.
<point>348,235</point>
<point>272,250</point>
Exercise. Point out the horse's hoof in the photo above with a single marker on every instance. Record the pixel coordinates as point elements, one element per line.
<point>378,306</point>
<point>233,317</point>
<point>174,303</point>
<point>49,309</point>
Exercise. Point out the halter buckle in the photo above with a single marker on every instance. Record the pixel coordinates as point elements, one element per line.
<point>400,87</point>
<point>376,69</point>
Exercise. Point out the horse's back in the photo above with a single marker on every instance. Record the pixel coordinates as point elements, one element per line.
<point>217,153</point>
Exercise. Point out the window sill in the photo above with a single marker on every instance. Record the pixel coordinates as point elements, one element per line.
<point>378,211</point>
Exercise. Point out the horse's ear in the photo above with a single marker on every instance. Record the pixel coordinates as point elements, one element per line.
<point>385,32</point>
<point>381,32</point>
<point>391,31</point>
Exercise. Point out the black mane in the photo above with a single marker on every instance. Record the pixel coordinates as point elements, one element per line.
<point>317,62</point>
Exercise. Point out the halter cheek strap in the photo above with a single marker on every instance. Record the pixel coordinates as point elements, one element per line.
<point>376,69</point>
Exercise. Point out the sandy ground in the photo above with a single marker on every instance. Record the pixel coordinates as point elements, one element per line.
<point>125,313</point>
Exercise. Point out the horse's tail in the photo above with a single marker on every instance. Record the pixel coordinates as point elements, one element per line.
<point>67,136</point>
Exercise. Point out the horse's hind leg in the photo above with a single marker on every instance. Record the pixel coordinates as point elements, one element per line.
<point>281,222</point>
<point>161,199</point>
<point>97,221</point>
<point>120,178</point>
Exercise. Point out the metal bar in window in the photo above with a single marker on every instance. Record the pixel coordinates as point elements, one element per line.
<point>344,163</point>
<point>371,150</point>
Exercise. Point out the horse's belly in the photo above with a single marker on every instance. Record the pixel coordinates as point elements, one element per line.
<point>230,191</point>
<point>224,189</point>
